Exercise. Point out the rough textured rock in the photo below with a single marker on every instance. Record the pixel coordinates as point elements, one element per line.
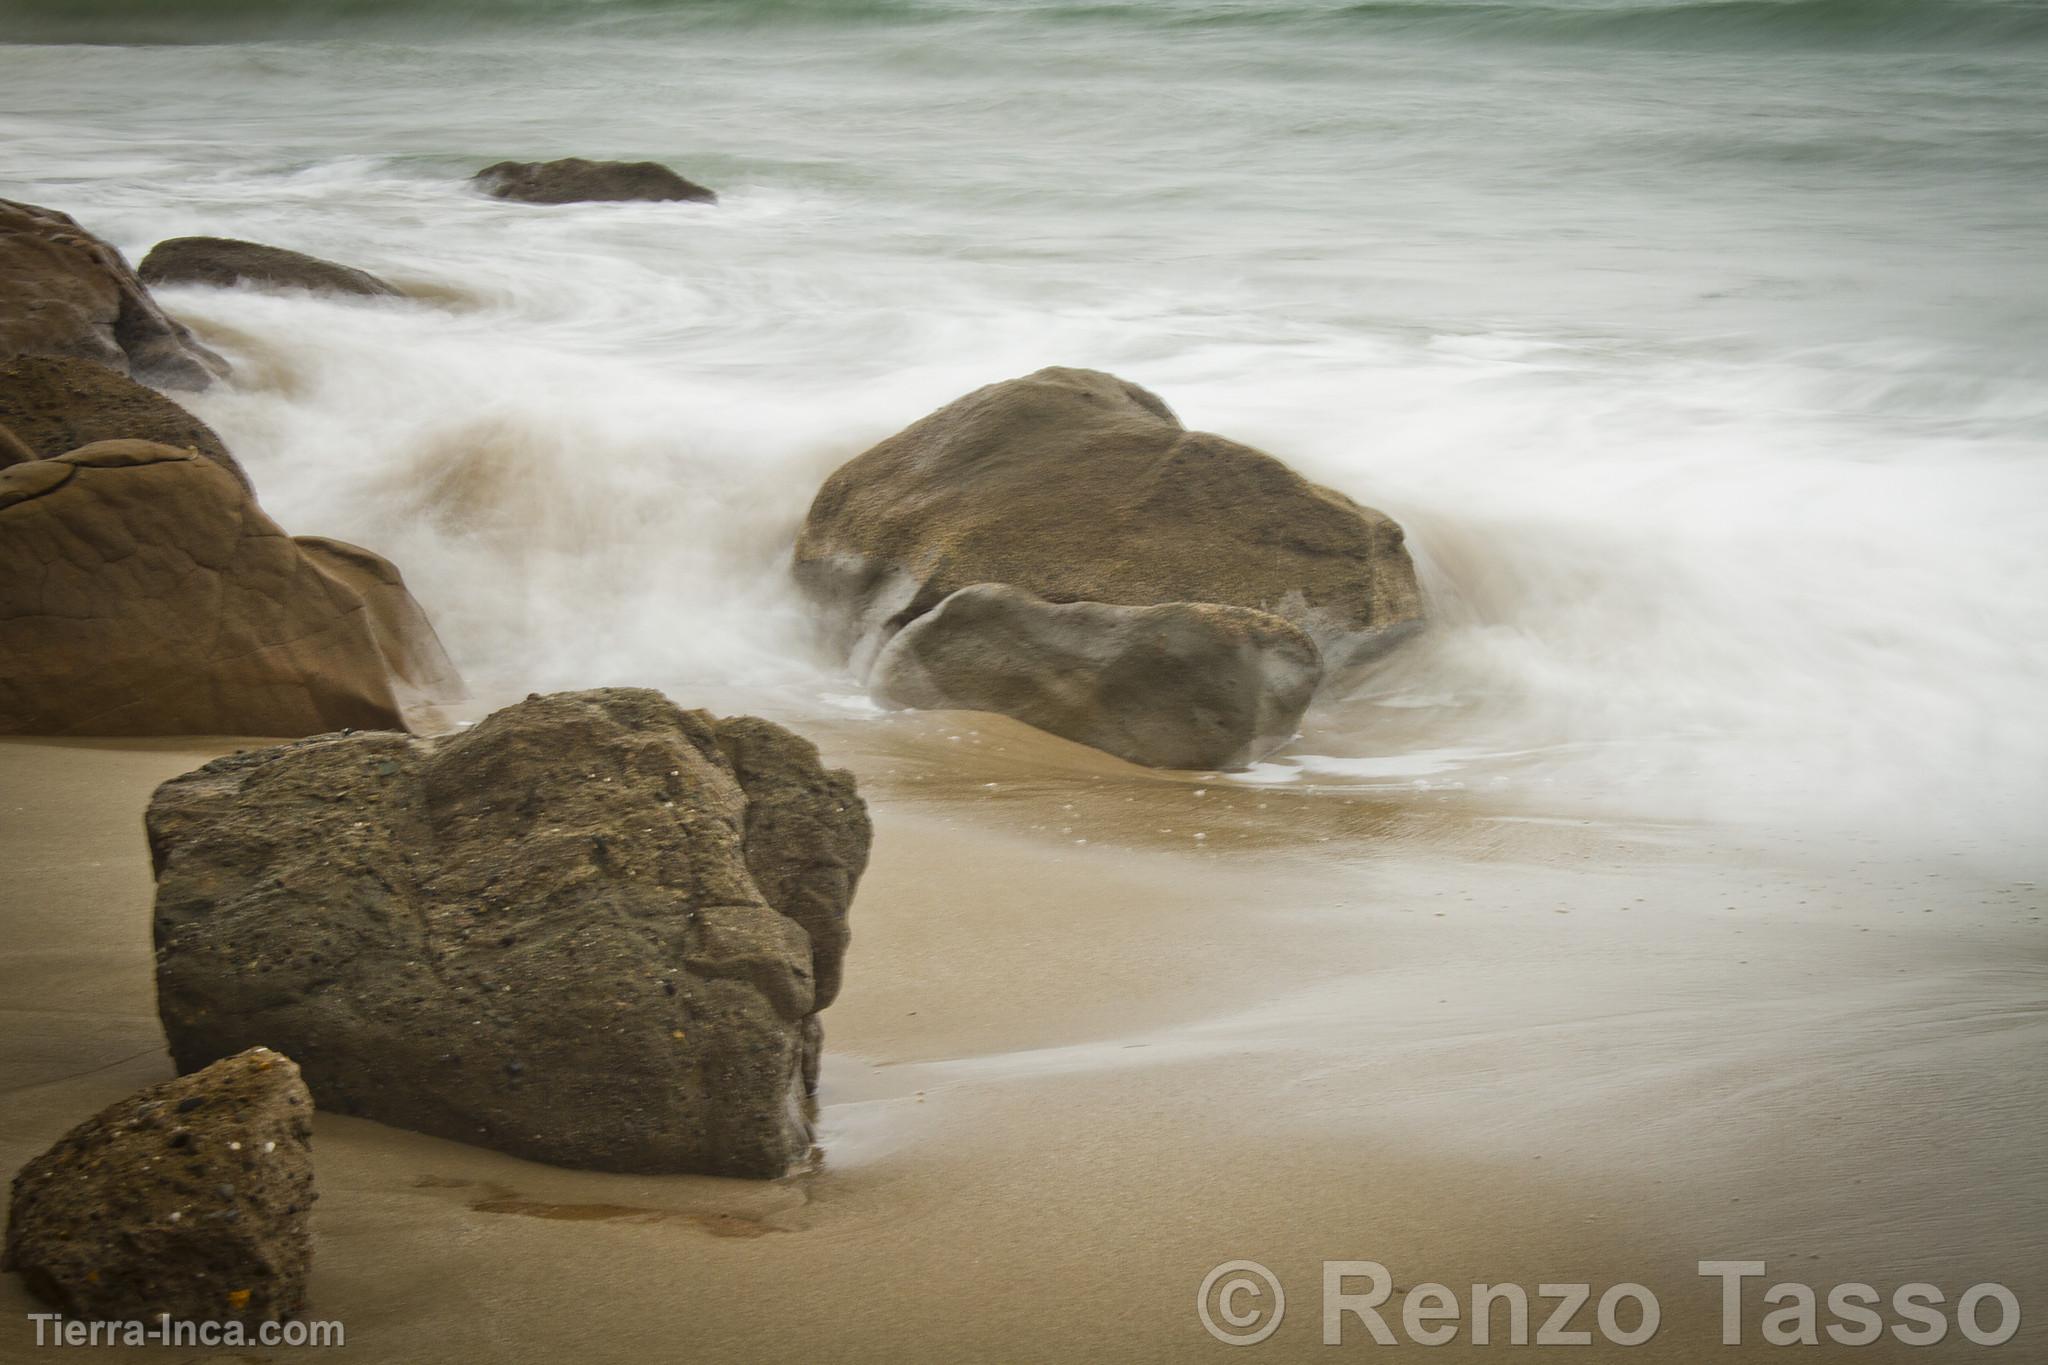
<point>191,1198</point>
<point>573,180</point>
<point>142,592</point>
<point>1184,685</point>
<point>224,261</point>
<point>594,930</point>
<point>56,404</point>
<point>12,449</point>
<point>1079,487</point>
<point>63,291</point>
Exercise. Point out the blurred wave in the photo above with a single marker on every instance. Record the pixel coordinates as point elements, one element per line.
<point>1699,346</point>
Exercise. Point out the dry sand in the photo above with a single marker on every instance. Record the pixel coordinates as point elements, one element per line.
<point>1067,1078</point>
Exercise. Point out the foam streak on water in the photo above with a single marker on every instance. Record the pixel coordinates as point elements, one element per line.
<point>1700,346</point>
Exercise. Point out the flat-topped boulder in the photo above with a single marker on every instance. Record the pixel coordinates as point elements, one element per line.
<point>55,404</point>
<point>143,592</point>
<point>65,292</point>
<point>572,180</point>
<point>594,930</point>
<point>225,261</point>
<point>191,1199</point>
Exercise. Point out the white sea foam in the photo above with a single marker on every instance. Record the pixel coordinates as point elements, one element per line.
<point>1724,475</point>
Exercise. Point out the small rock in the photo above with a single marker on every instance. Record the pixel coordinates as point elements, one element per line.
<point>98,1230</point>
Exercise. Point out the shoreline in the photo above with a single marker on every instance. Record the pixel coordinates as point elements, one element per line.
<point>1064,1080</point>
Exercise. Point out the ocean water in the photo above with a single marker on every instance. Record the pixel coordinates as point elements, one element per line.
<point>1702,345</point>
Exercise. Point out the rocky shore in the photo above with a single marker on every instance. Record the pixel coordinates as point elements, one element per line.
<point>547,977</point>
<point>594,930</point>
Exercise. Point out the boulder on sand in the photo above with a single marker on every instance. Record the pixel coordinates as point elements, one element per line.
<point>1182,685</point>
<point>63,291</point>
<point>1075,486</point>
<point>191,1199</point>
<point>55,404</point>
<point>224,262</point>
<point>143,592</point>
<point>572,180</point>
<point>594,930</point>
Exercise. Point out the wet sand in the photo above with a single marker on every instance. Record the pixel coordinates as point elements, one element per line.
<point>1067,1078</point>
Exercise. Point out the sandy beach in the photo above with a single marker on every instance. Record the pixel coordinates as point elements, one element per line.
<point>1573,468</point>
<point>1083,1057</point>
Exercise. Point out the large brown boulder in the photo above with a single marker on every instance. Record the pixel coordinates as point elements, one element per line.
<point>191,1199</point>
<point>1182,685</point>
<point>594,930</point>
<point>572,180</point>
<point>55,404</point>
<point>1079,487</point>
<point>1075,486</point>
<point>224,261</point>
<point>63,291</point>
<point>143,592</point>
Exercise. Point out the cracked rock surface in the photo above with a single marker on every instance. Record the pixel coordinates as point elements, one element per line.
<point>54,404</point>
<point>594,930</point>
<point>142,592</point>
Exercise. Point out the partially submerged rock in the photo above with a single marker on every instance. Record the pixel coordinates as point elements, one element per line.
<point>573,180</point>
<point>1182,685</point>
<point>191,1199</point>
<point>55,404</point>
<point>1074,486</point>
<point>143,592</point>
<point>1079,487</point>
<point>63,291</point>
<point>225,261</point>
<point>594,930</point>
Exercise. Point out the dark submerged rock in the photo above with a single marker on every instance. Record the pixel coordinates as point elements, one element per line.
<point>573,180</point>
<point>224,261</point>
